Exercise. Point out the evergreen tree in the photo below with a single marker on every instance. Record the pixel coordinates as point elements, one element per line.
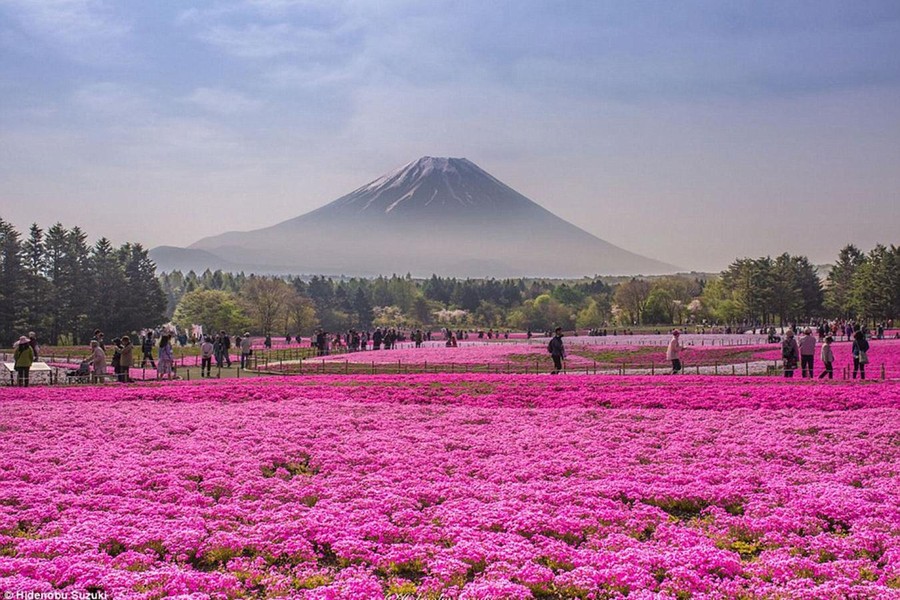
<point>811,295</point>
<point>83,294</point>
<point>61,277</point>
<point>839,295</point>
<point>786,297</point>
<point>362,308</point>
<point>35,285</point>
<point>12,294</point>
<point>108,290</point>
<point>145,303</point>
<point>876,284</point>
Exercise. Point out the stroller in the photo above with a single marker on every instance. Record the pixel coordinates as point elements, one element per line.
<point>79,375</point>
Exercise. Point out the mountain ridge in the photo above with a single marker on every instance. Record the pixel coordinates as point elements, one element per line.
<point>434,215</point>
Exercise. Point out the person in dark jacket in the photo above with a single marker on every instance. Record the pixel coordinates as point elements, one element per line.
<point>116,361</point>
<point>790,353</point>
<point>860,354</point>
<point>557,351</point>
<point>376,339</point>
<point>226,348</point>
<point>147,351</point>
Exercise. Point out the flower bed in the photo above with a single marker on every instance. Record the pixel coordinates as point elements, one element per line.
<point>466,487</point>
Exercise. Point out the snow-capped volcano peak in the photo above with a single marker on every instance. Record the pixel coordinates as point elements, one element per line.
<point>434,185</point>
<point>433,215</point>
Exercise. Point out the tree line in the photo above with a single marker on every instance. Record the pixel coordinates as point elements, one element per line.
<point>751,291</point>
<point>56,284</point>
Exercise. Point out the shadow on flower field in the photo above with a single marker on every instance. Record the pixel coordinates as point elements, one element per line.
<point>465,486</point>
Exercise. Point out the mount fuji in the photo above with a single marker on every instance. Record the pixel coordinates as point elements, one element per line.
<point>434,215</point>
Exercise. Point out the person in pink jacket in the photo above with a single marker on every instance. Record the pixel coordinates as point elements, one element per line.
<point>807,346</point>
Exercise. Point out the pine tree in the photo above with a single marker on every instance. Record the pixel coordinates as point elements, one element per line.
<point>108,277</point>
<point>876,284</point>
<point>35,285</point>
<point>144,303</point>
<point>839,295</point>
<point>12,271</point>
<point>60,275</point>
<point>83,295</point>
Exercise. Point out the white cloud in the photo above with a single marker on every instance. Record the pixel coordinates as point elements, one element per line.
<point>262,41</point>
<point>222,101</point>
<point>112,99</point>
<point>84,30</point>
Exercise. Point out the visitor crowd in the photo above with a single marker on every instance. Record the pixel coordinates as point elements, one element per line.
<point>120,354</point>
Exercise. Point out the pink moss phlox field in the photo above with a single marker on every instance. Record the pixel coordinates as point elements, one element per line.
<point>466,354</point>
<point>470,486</point>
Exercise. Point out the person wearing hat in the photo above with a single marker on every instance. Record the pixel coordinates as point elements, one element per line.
<point>246,350</point>
<point>557,351</point>
<point>32,341</point>
<point>807,353</point>
<point>673,352</point>
<point>790,353</point>
<point>24,358</point>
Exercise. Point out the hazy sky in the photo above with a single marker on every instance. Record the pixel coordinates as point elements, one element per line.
<point>691,132</point>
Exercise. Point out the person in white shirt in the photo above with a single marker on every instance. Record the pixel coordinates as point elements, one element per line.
<point>246,350</point>
<point>673,352</point>
<point>827,358</point>
<point>206,354</point>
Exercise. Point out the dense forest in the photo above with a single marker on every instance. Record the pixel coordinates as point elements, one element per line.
<point>55,283</point>
<point>786,289</point>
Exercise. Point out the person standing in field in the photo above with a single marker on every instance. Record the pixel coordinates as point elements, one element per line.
<point>126,360</point>
<point>860,354</point>
<point>376,339</point>
<point>673,352</point>
<point>226,345</point>
<point>790,353</point>
<point>117,358</point>
<point>219,350</point>
<point>807,353</point>
<point>557,351</point>
<point>827,358</point>
<point>166,367</point>
<point>98,362</point>
<point>98,337</point>
<point>24,358</point>
<point>147,350</point>
<point>246,350</point>
<point>206,353</point>
<point>32,341</point>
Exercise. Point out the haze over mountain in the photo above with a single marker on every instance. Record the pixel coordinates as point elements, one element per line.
<point>433,215</point>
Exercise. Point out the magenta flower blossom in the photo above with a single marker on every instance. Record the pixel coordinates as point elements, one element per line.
<point>472,486</point>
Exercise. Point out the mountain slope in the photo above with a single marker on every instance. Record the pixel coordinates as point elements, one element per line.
<point>434,215</point>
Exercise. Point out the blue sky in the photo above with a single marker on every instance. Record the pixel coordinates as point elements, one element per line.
<point>692,132</point>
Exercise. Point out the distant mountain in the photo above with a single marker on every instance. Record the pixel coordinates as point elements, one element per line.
<point>171,258</point>
<point>434,215</point>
